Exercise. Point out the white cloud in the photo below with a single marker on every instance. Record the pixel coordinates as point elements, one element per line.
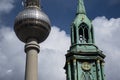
<point>9,71</point>
<point>107,38</point>
<point>51,57</point>
<point>6,6</point>
<point>11,58</point>
<point>53,50</point>
<point>57,40</point>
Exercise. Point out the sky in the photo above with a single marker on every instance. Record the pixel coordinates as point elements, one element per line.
<point>105,16</point>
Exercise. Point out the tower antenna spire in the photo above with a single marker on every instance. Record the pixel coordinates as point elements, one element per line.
<point>32,3</point>
<point>81,7</point>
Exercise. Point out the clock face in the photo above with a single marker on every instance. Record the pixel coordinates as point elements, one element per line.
<point>86,66</point>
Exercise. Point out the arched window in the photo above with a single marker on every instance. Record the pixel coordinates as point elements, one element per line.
<point>83,33</point>
<point>86,34</point>
<point>92,35</point>
<point>74,29</point>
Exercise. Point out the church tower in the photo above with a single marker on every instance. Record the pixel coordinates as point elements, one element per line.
<point>84,60</point>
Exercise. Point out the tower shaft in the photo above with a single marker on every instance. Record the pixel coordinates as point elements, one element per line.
<point>32,50</point>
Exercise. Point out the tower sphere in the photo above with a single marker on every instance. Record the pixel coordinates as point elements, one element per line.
<point>32,22</point>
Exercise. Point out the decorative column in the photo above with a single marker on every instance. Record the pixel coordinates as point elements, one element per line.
<point>68,71</point>
<point>99,70</point>
<point>75,69</point>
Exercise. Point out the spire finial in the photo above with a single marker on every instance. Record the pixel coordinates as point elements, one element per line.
<point>81,7</point>
<point>32,3</point>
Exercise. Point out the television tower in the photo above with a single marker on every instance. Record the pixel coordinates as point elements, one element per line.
<point>32,26</point>
<point>84,60</point>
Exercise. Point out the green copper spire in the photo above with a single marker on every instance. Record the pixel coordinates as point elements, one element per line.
<point>81,8</point>
<point>84,60</point>
<point>82,33</point>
